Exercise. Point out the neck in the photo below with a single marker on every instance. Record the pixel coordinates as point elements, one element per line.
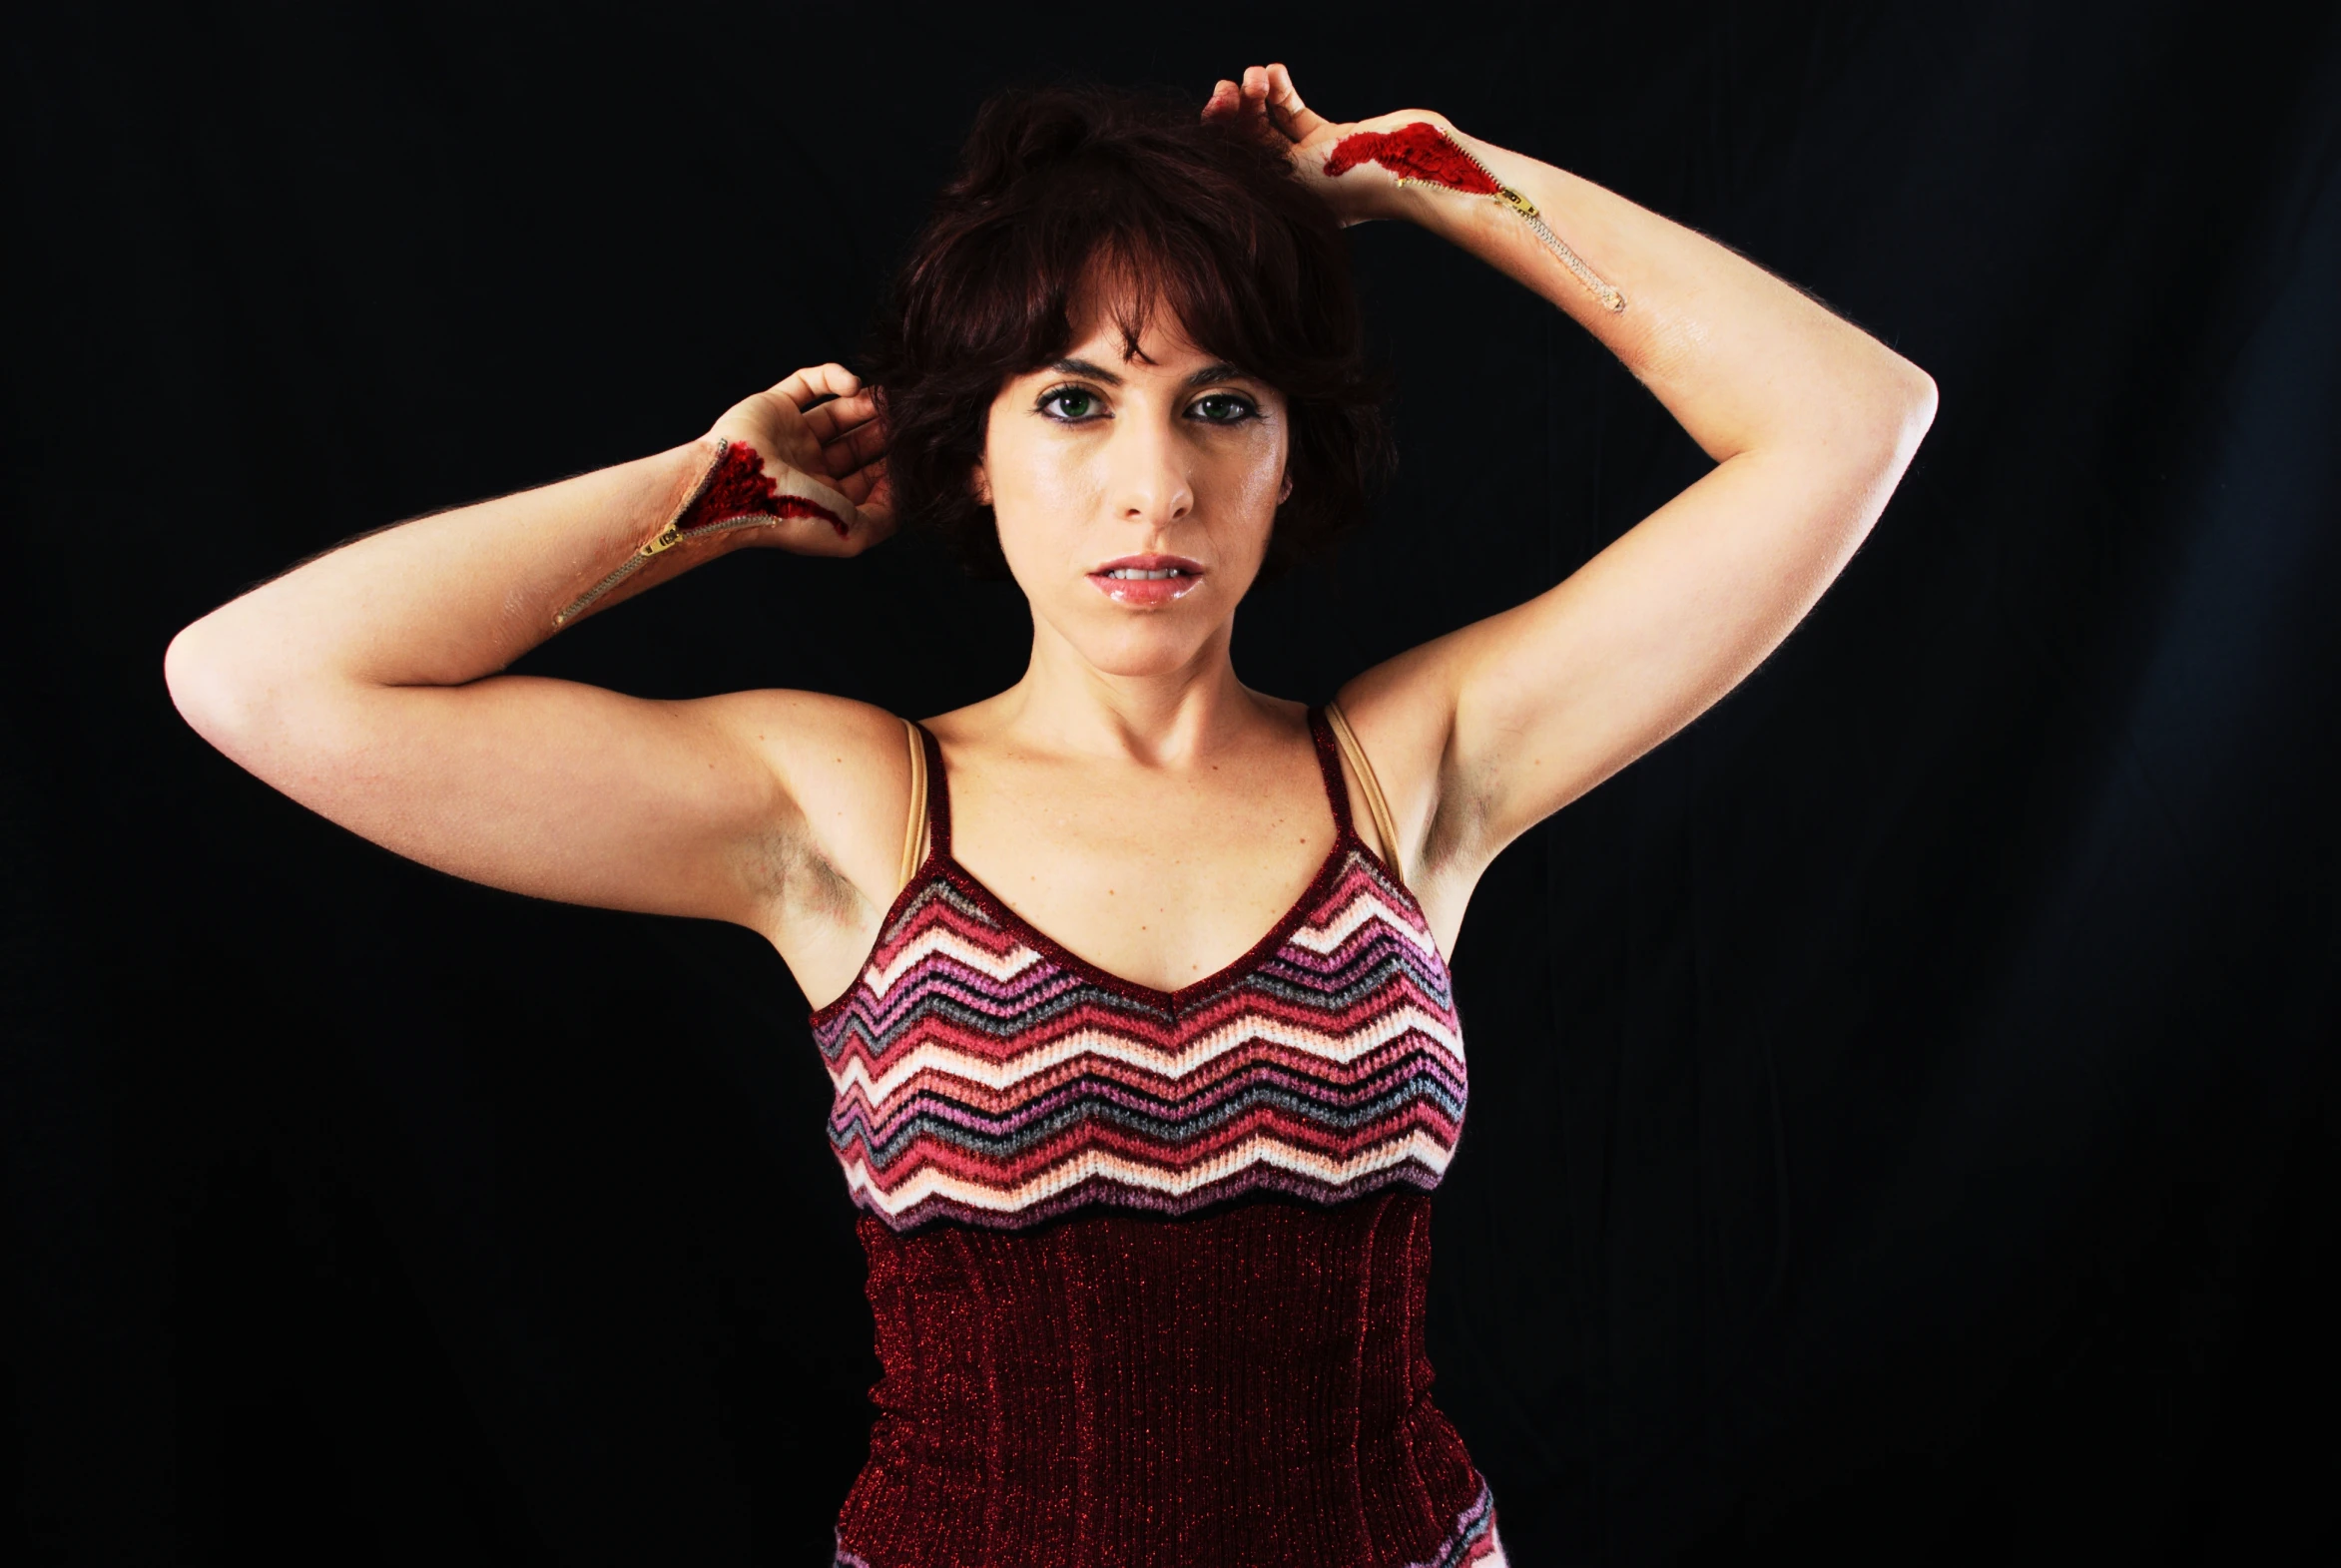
<point>1064,703</point>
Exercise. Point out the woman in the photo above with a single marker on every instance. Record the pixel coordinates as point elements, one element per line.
<point>1145,1190</point>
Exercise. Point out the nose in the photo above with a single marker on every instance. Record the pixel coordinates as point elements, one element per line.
<point>1149,483</point>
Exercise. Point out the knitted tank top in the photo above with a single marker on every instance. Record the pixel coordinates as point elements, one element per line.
<point>1148,1267</point>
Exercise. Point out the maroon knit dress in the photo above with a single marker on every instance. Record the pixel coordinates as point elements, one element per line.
<point>1149,1266</point>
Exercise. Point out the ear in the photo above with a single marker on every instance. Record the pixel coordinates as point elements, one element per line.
<point>1285,493</point>
<point>980,483</point>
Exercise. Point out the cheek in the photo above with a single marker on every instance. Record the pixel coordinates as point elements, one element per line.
<point>1038,487</point>
<point>1247,487</point>
<point>1265,480</point>
<point>1040,503</point>
<point>1056,488</point>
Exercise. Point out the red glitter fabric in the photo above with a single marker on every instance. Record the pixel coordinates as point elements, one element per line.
<point>1413,152</point>
<point>1244,1387</point>
<point>739,488</point>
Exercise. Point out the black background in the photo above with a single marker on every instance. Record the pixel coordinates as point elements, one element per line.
<point>1903,1106</point>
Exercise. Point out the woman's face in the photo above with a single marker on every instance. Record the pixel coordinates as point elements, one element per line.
<point>1135,495</point>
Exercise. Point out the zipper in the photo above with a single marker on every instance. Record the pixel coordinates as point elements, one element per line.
<point>1519,202</point>
<point>666,539</point>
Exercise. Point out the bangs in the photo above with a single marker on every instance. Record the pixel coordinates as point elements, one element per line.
<point>1072,199</point>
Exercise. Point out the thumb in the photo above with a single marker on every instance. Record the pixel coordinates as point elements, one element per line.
<point>1292,116</point>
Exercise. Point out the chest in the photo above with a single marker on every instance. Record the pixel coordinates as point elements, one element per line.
<point>1160,879</point>
<point>983,1074</point>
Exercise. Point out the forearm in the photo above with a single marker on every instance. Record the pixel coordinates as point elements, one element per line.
<point>448,598</point>
<point>1740,358</point>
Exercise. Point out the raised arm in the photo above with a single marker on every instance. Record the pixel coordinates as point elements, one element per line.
<point>364,684</point>
<point>1483,733</point>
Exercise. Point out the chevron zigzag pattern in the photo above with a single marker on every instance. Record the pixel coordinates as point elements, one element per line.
<point>986,1075</point>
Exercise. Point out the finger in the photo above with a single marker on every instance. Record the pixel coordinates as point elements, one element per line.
<point>877,511</point>
<point>873,524</point>
<point>855,447</point>
<point>807,387</point>
<point>856,409</point>
<point>860,485</point>
<point>1293,116</point>
<point>831,420</point>
<point>864,443</point>
<point>819,423</point>
<point>1256,95</point>
<point>1226,99</point>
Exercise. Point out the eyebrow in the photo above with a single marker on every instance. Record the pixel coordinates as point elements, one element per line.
<point>1098,372</point>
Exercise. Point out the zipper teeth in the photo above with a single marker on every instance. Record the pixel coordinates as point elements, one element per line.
<point>726,525</point>
<point>597,590</point>
<point>1602,291</point>
<point>1609,295</point>
<point>1474,158</point>
<point>634,562</point>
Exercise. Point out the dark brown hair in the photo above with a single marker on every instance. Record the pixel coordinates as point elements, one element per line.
<point>1058,186</point>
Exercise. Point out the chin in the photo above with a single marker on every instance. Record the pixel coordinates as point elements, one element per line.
<point>1143,646</point>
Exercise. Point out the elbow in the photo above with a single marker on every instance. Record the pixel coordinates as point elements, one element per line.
<point>201,688</point>
<point>1917,399</point>
<point>1893,415</point>
<point>1864,457</point>
<point>267,709</point>
<point>1905,412</point>
<point>223,697</point>
<point>1906,406</point>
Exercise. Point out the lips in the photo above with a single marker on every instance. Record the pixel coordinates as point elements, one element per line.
<point>1147,581</point>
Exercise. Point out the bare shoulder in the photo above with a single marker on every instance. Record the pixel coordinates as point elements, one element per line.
<point>808,729</point>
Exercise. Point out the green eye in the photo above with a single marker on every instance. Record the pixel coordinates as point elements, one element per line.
<point>1069,403</point>
<point>1224,408</point>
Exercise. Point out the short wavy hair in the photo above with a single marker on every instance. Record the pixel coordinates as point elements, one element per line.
<point>1060,185</point>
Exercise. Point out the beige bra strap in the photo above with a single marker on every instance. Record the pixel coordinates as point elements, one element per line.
<point>1384,829</point>
<point>914,838</point>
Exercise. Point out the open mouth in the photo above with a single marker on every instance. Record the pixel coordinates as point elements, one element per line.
<point>1146,580</point>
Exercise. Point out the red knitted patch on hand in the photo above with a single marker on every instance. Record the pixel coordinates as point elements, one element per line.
<point>739,488</point>
<point>1413,152</point>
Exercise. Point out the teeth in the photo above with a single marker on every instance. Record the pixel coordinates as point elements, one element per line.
<point>1131,572</point>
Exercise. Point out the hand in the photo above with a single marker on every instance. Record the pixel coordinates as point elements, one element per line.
<point>821,439</point>
<point>1267,103</point>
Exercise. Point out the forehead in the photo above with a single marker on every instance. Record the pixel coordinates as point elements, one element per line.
<point>1121,325</point>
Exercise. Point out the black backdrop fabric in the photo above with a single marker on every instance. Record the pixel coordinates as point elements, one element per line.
<point>1903,1116</point>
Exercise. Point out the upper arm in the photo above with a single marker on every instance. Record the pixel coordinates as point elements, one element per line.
<point>728,808</point>
<point>1483,733</point>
